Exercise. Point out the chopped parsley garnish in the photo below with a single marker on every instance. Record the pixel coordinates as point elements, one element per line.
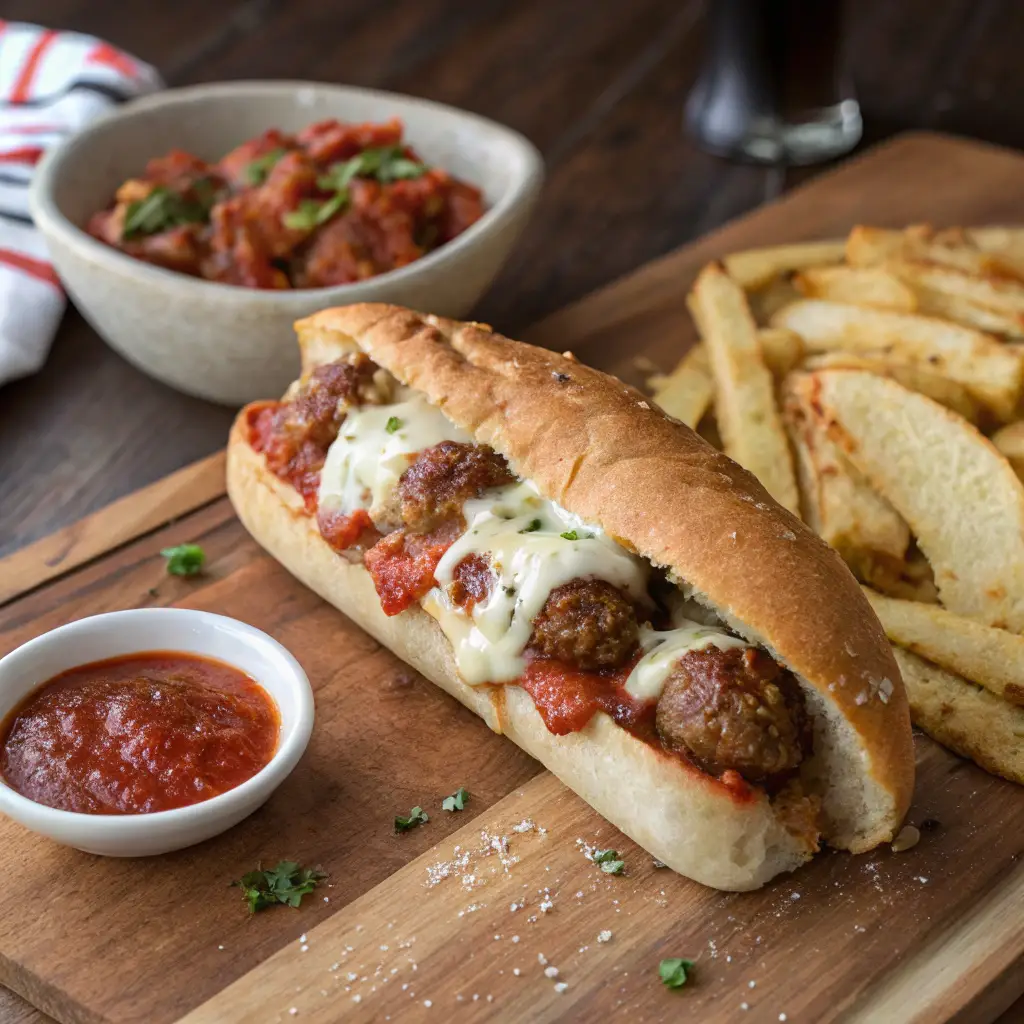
<point>163,209</point>
<point>509,590</point>
<point>313,212</point>
<point>287,883</point>
<point>569,535</point>
<point>256,171</point>
<point>609,861</point>
<point>674,972</point>
<point>385,163</point>
<point>417,816</point>
<point>532,526</point>
<point>455,802</point>
<point>392,424</point>
<point>184,560</point>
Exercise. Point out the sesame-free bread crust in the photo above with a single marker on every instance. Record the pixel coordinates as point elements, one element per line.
<point>600,449</point>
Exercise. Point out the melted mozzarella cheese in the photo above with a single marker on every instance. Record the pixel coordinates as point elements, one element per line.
<point>528,542</point>
<point>663,649</point>
<point>374,448</point>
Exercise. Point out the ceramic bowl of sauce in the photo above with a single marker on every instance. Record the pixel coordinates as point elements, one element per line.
<point>139,732</point>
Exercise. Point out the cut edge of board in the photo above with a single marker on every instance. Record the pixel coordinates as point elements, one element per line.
<point>929,987</point>
<point>182,492</point>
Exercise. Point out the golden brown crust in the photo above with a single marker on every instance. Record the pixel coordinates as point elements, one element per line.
<point>599,448</point>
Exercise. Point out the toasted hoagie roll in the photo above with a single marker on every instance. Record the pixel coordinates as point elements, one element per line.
<point>593,579</point>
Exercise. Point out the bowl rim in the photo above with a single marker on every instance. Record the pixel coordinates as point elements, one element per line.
<point>290,748</point>
<point>51,220</point>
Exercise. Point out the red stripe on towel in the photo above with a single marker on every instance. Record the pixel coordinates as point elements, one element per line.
<point>111,57</point>
<point>22,155</point>
<point>23,85</point>
<point>38,269</point>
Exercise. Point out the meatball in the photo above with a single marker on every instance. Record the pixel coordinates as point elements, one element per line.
<point>587,623</point>
<point>317,410</point>
<point>435,487</point>
<point>734,709</point>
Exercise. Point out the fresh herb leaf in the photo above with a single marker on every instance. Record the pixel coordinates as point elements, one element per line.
<point>385,163</point>
<point>184,560</point>
<point>339,175</point>
<point>392,424</point>
<point>569,535</point>
<point>257,171</point>
<point>673,973</point>
<point>160,210</point>
<point>287,884</point>
<point>399,169</point>
<point>455,802</point>
<point>532,526</point>
<point>417,816</point>
<point>311,213</point>
<point>609,861</point>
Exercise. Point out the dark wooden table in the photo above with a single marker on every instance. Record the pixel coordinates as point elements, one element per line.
<point>598,85</point>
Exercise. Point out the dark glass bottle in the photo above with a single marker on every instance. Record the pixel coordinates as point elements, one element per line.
<point>773,87</point>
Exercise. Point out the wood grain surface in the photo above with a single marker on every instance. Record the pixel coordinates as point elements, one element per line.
<point>941,923</point>
<point>448,933</point>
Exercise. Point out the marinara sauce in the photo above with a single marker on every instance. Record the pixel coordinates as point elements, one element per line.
<point>139,733</point>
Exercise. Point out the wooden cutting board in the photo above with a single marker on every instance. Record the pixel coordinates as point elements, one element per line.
<point>460,918</point>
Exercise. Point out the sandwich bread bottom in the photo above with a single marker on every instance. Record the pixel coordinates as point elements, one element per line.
<point>686,819</point>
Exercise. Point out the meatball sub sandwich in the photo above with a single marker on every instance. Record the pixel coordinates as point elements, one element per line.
<point>590,577</point>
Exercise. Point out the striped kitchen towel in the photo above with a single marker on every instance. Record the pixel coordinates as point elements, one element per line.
<point>51,85</point>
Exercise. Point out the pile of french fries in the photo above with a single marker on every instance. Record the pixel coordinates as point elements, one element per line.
<point>875,386</point>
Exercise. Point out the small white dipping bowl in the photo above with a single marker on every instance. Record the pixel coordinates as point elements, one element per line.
<point>230,344</point>
<point>159,629</point>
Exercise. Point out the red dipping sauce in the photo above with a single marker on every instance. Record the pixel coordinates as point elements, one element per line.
<point>139,733</point>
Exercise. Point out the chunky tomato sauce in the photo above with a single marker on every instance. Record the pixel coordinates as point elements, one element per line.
<point>140,733</point>
<point>346,531</point>
<point>301,467</point>
<point>567,698</point>
<point>403,565</point>
<point>332,204</point>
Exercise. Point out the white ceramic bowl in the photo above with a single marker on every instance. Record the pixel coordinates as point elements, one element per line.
<point>230,344</point>
<point>159,629</point>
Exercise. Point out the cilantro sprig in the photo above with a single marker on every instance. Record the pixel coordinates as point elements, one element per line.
<point>286,883</point>
<point>184,559</point>
<point>417,816</point>
<point>311,213</point>
<point>387,164</point>
<point>257,171</point>
<point>609,861</point>
<point>674,973</point>
<point>455,802</point>
<point>163,209</point>
<point>393,424</point>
